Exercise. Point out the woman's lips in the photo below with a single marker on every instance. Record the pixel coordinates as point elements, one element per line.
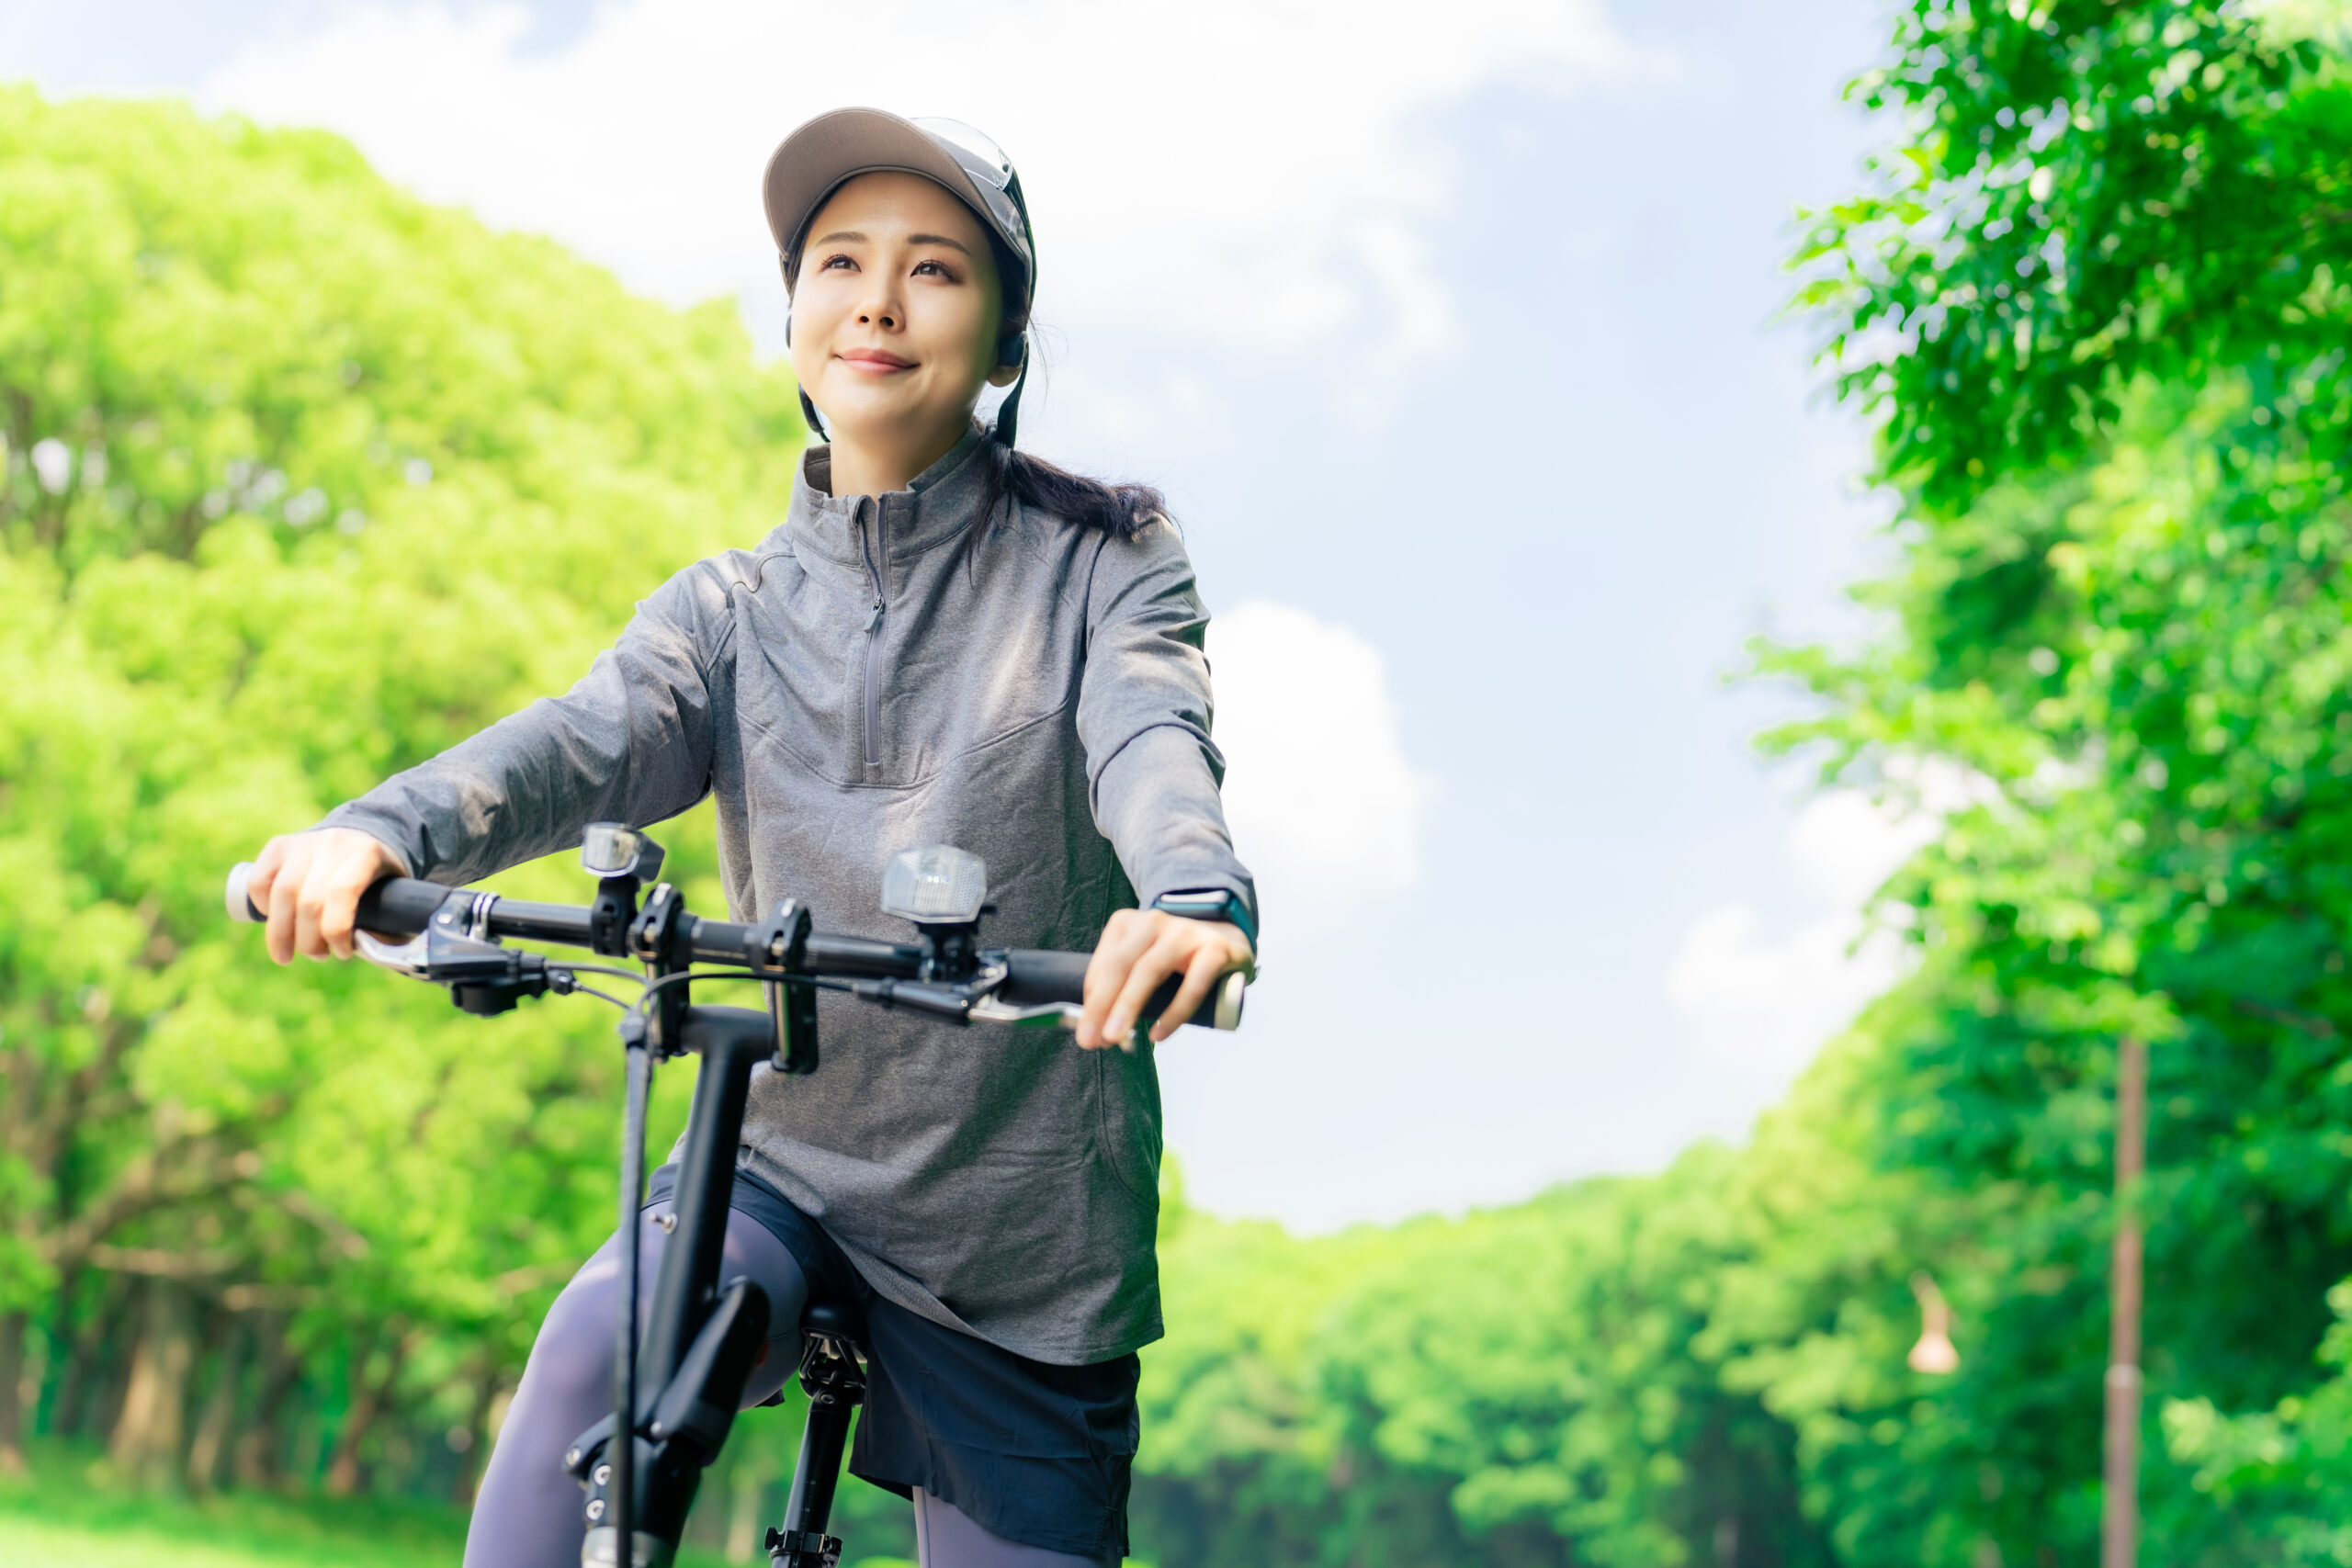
<point>874,359</point>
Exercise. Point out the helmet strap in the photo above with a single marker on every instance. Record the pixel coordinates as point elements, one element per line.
<point>1008,413</point>
<point>1011,349</point>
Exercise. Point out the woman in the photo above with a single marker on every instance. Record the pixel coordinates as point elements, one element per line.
<point>946,641</point>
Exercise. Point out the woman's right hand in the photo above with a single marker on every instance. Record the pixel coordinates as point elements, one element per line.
<point>308,884</point>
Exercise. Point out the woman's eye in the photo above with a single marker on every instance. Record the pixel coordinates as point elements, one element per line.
<point>833,262</point>
<point>934,269</point>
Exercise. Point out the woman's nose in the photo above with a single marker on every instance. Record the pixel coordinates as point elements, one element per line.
<point>882,307</point>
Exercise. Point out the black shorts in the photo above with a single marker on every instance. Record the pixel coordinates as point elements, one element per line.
<point>1035,1453</point>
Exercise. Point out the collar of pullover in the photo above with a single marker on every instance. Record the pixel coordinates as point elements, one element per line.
<point>941,502</point>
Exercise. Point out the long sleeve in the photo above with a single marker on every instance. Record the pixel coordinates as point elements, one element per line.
<point>1144,715</point>
<point>631,741</point>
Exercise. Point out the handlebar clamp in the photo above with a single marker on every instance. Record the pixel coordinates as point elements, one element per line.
<point>782,944</point>
<point>658,936</point>
<point>483,977</point>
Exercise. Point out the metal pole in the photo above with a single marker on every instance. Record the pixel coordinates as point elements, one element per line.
<point>2119,1522</point>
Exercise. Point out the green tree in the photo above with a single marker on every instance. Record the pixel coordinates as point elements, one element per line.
<point>2097,305</point>
<point>304,479</point>
<point>1516,1387</point>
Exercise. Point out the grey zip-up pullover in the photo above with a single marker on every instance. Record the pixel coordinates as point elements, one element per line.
<point>864,683</point>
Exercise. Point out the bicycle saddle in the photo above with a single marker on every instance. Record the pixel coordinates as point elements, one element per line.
<point>839,1320</point>
<point>832,1348</point>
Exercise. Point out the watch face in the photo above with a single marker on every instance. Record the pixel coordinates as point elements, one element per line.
<point>1194,903</point>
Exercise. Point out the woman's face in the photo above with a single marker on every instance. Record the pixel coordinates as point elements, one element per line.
<point>896,310</point>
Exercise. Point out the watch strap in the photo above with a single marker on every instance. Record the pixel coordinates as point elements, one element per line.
<point>1209,904</point>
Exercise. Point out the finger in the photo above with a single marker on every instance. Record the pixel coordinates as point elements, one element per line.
<point>265,874</point>
<point>341,910</point>
<point>1124,941</point>
<point>310,906</point>
<point>285,891</point>
<point>1208,965</point>
<point>1163,958</point>
<point>1134,944</point>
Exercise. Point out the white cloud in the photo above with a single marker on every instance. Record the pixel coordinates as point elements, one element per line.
<point>1246,168</point>
<point>1843,844</point>
<point>1768,1004</point>
<point>1323,804</point>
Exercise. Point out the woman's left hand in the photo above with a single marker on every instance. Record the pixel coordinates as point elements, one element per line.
<point>1139,949</point>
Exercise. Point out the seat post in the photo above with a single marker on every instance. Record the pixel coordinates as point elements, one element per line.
<point>833,1373</point>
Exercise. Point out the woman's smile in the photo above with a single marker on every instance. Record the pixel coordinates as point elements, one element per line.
<point>874,361</point>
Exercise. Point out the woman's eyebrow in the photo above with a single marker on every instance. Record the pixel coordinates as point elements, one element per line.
<point>938,240</point>
<point>852,235</point>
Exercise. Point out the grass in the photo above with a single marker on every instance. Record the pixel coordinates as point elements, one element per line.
<point>69,1513</point>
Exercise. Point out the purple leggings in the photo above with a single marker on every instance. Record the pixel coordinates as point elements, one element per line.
<point>528,1512</point>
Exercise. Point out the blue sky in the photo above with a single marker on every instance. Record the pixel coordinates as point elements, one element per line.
<point>1449,333</point>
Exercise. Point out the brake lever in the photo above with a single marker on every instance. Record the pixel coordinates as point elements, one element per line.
<point>991,1011</point>
<point>987,1009</point>
<point>413,958</point>
<point>409,958</point>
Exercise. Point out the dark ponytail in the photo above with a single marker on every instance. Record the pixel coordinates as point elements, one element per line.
<point>1122,511</point>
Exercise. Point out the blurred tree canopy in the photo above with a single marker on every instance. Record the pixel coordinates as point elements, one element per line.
<point>305,480</point>
<point>2098,303</point>
<point>1523,1386</point>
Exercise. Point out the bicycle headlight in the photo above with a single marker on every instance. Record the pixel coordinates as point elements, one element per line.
<point>611,848</point>
<point>937,885</point>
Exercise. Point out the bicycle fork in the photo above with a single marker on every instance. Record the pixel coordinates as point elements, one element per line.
<point>701,1340</point>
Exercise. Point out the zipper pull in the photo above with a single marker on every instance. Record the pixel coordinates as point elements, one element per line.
<point>874,616</point>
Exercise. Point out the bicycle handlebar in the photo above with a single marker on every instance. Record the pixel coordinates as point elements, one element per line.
<point>403,906</point>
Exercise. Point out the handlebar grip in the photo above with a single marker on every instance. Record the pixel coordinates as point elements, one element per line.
<point>241,908</point>
<point>1035,977</point>
<point>398,905</point>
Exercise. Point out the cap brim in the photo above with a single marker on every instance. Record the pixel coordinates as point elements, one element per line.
<point>841,144</point>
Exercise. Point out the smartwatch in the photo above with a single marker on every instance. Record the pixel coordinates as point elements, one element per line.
<point>1210,904</point>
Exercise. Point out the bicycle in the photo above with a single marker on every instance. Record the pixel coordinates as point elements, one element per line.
<point>678,1384</point>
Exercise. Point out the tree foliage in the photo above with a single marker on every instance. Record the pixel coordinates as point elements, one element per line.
<point>304,480</point>
<point>1517,1387</point>
<point>2087,196</point>
<point>2098,301</point>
